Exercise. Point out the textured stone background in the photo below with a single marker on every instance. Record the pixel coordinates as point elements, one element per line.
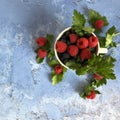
<point>26,92</point>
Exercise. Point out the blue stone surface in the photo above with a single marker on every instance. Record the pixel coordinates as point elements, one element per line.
<point>26,92</point>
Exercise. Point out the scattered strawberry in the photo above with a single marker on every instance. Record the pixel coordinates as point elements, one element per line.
<point>99,24</point>
<point>85,54</point>
<point>93,41</point>
<point>92,95</point>
<point>41,41</point>
<point>58,69</point>
<point>73,38</point>
<point>82,43</point>
<point>61,46</point>
<point>42,53</point>
<point>98,77</point>
<point>73,50</point>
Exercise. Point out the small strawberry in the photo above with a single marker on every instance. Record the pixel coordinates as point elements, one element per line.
<point>61,46</point>
<point>82,43</point>
<point>41,41</point>
<point>58,69</point>
<point>73,50</point>
<point>42,53</point>
<point>92,41</point>
<point>92,95</point>
<point>98,77</point>
<point>73,38</point>
<point>85,54</point>
<point>99,24</point>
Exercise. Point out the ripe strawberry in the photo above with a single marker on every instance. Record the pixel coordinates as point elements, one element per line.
<point>92,41</point>
<point>73,50</point>
<point>42,53</point>
<point>99,24</point>
<point>58,69</point>
<point>61,46</point>
<point>92,95</point>
<point>41,41</point>
<point>82,43</point>
<point>98,77</point>
<point>73,38</point>
<point>85,54</point>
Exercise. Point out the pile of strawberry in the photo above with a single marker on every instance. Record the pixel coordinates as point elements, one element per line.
<point>72,45</point>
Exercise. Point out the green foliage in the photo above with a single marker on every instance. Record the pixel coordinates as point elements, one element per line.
<point>78,24</point>
<point>109,37</point>
<point>56,78</point>
<point>78,19</point>
<point>87,91</point>
<point>51,54</point>
<point>39,60</point>
<point>52,63</point>
<point>93,16</point>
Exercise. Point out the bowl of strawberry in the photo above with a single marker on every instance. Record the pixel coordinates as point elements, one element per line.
<point>69,46</point>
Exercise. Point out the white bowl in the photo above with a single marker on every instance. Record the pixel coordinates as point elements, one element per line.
<point>98,51</point>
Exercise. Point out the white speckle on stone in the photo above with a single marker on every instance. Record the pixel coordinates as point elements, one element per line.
<point>34,65</point>
<point>19,38</point>
<point>66,118</point>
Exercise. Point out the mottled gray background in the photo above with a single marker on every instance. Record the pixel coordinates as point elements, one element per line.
<point>26,92</point>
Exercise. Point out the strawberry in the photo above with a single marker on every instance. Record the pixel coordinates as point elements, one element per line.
<point>92,41</point>
<point>73,50</point>
<point>58,69</point>
<point>98,77</point>
<point>85,54</point>
<point>92,95</point>
<point>42,53</point>
<point>82,42</point>
<point>99,24</point>
<point>41,41</point>
<point>73,38</point>
<point>61,46</point>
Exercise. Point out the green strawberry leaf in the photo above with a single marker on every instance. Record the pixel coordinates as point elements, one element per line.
<point>88,30</point>
<point>98,83</point>
<point>78,19</point>
<point>51,54</point>
<point>39,60</point>
<point>102,41</point>
<point>52,63</point>
<point>109,37</point>
<point>50,38</point>
<point>78,22</point>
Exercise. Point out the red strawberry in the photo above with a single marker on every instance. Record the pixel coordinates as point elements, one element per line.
<point>61,46</point>
<point>98,77</point>
<point>73,38</point>
<point>58,69</point>
<point>99,24</point>
<point>82,43</point>
<point>42,53</point>
<point>41,41</point>
<point>85,54</point>
<point>73,50</point>
<point>92,95</point>
<point>93,41</point>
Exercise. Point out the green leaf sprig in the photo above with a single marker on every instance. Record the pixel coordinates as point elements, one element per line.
<point>56,78</point>
<point>78,24</point>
